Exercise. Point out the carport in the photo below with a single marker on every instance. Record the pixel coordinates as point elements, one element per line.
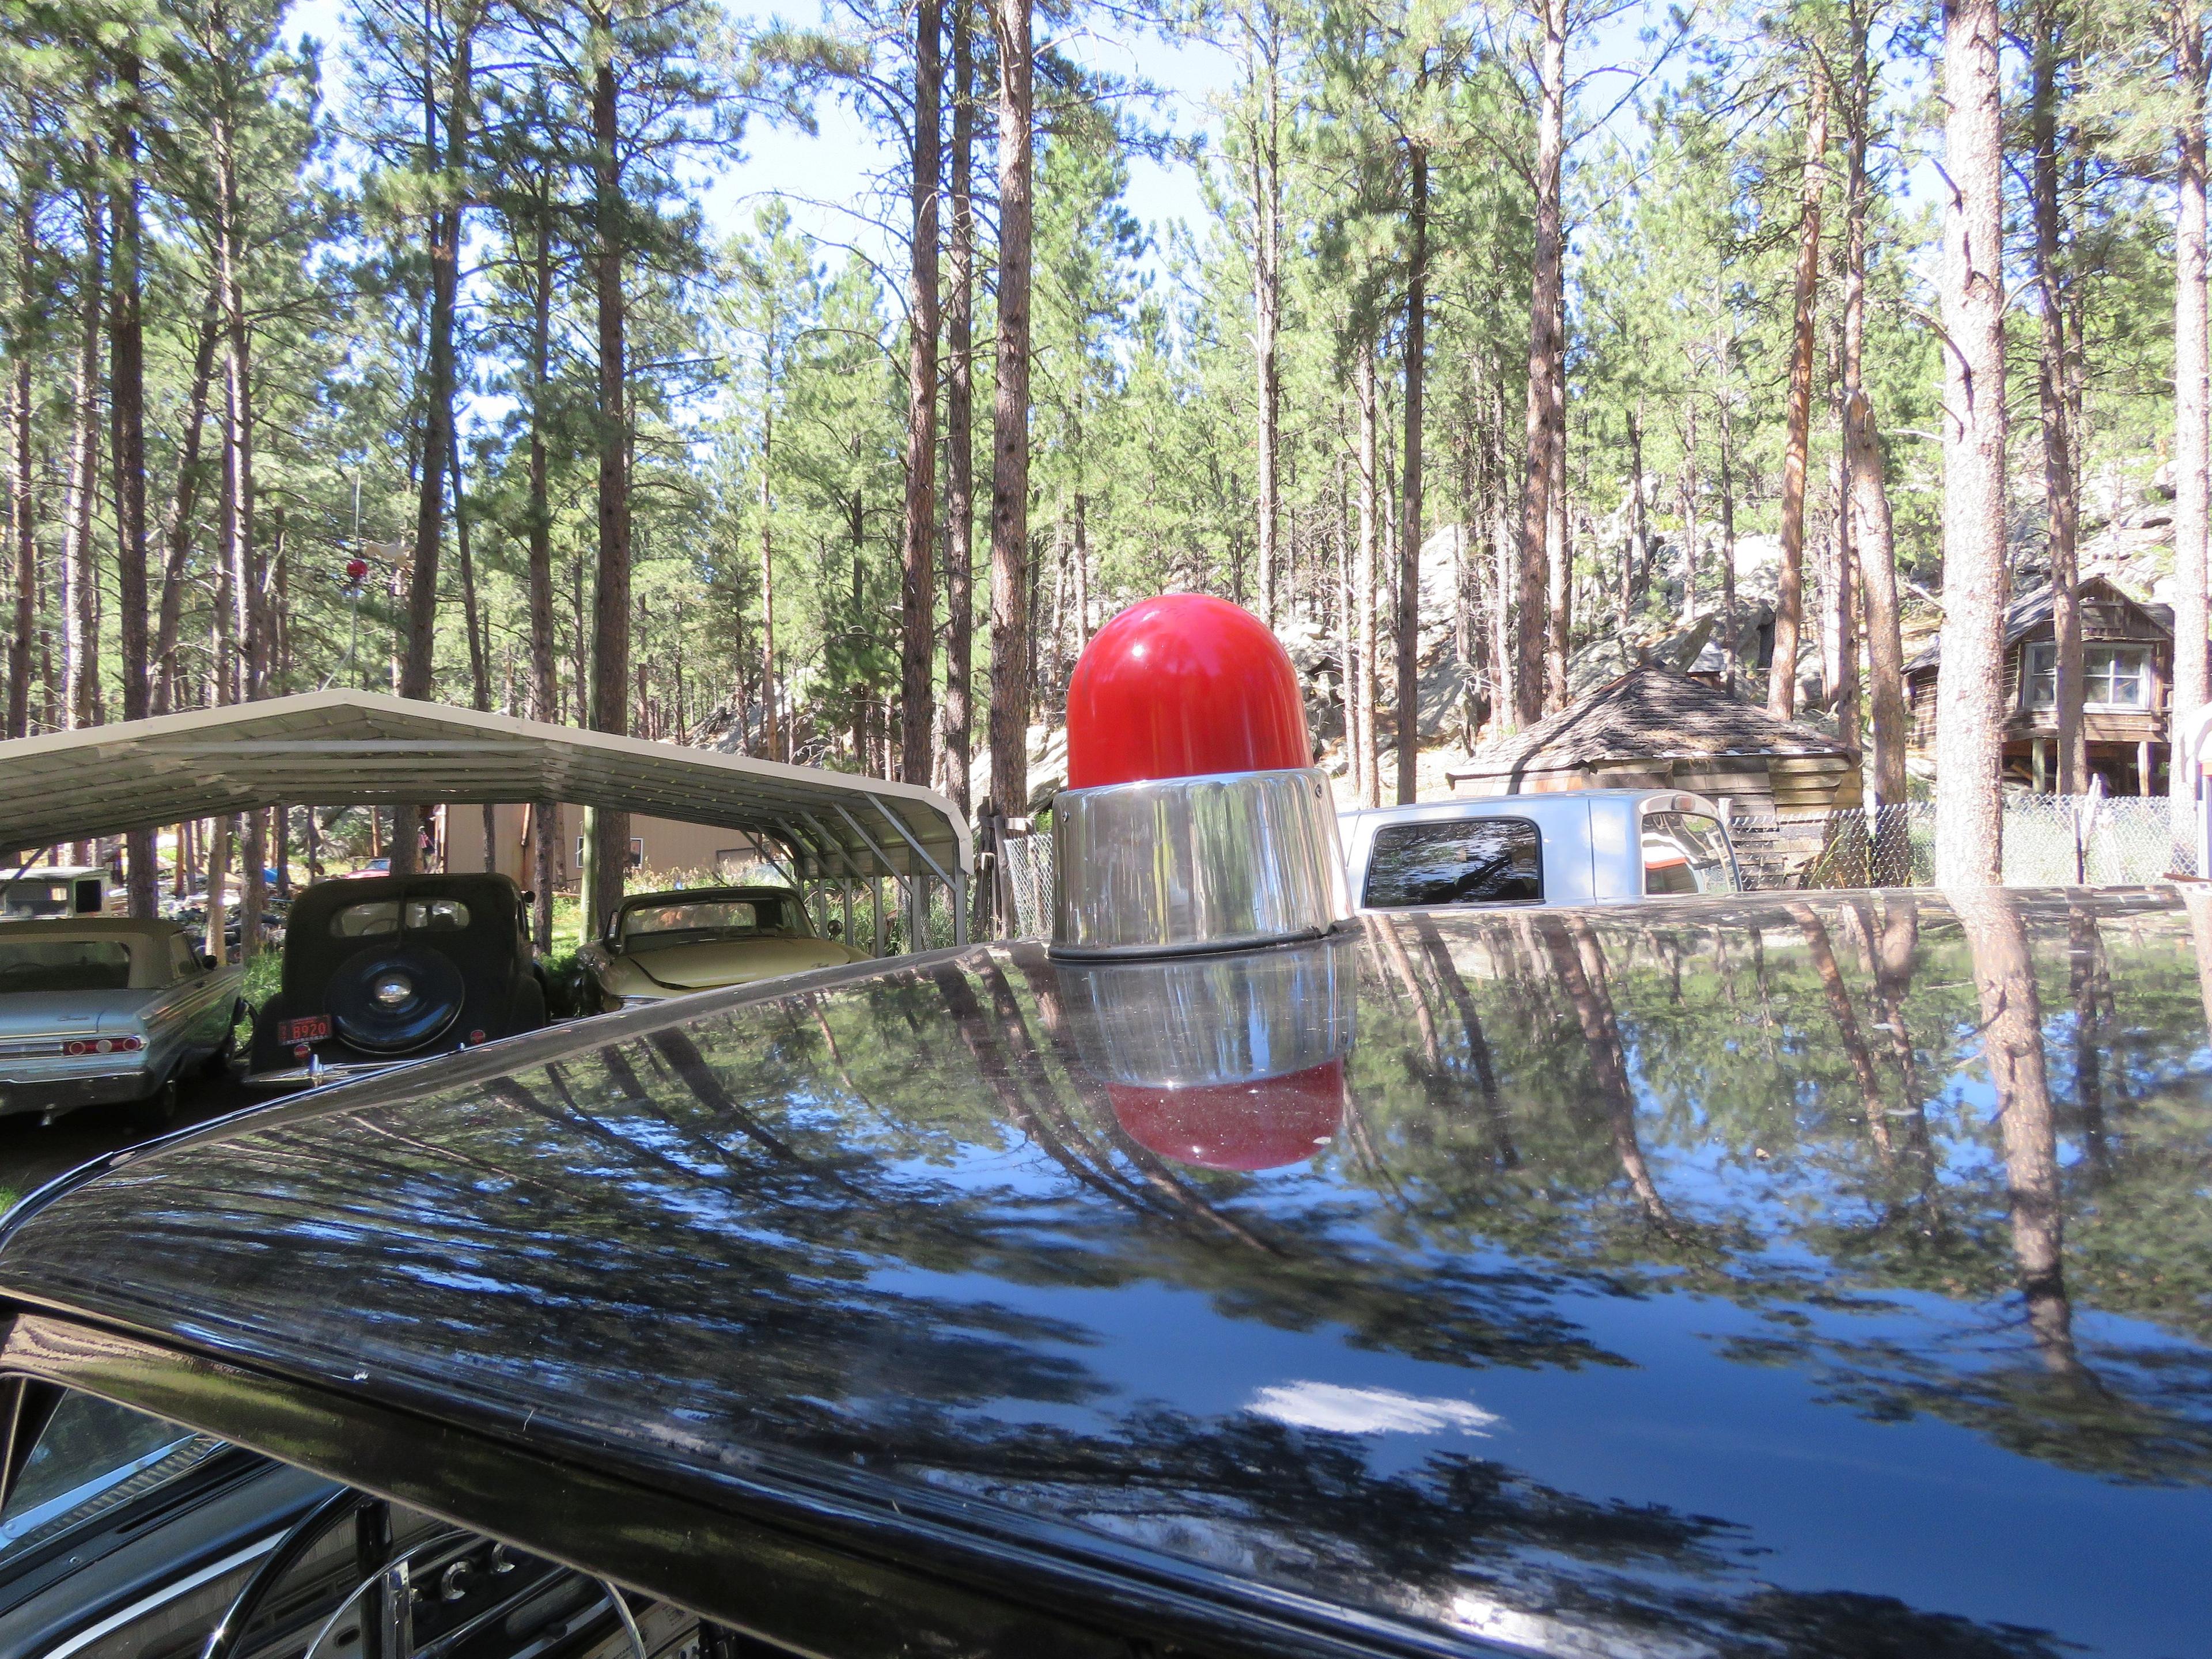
<point>842,833</point>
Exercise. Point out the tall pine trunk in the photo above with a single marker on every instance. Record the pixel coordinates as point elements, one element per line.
<point>610,839</point>
<point>126,379</point>
<point>177,527</point>
<point>2190,410</point>
<point>1264,43</point>
<point>1970,714</point>
<point>545,694</point>
<point>1790,595</point>
<point>1546,362</point>
<point>1010,444</point>
<point>22,506</point>
<point>80,579</point>
<point>1872,538</point>
<point>959,423</point>
<point>2061,501</point>
<point>1409,520</point>
<point>1366,763</point>
<point>917,592</point>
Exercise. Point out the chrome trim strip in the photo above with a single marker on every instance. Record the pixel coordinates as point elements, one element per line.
<point>1176,864</point>
<point>167,1594</point>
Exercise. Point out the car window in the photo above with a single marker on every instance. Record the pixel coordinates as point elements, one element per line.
<point>365,920</point>
<point>722,917</point>
<point>64,964</point>
<point>35,897</point>
<point>379,916</point>
<point>1686,852</point>
<point>184,961</point>
<point>1455,861</point>
<point>92,1454</point>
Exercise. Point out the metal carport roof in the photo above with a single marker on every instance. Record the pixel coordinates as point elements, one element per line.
<point>362,749</point>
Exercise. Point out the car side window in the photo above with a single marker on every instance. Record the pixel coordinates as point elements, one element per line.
<point>184,961</point>
<point>1686,852</point>
<point>89,1455</point>
<point>1455,861</point>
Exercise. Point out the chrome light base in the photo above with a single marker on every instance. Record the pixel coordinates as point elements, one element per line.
<point>1179,865</point>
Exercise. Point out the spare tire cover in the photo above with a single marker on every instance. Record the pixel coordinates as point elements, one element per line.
<point>391,998</point>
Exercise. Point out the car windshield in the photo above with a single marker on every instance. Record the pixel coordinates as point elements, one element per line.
<point>64,964</point>
<point>663,923</point>
<point>440,915</point>
<point>1455,861</point>
<point>1686,852</point>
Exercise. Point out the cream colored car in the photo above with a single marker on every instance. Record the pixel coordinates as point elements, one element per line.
<point>669,944</point>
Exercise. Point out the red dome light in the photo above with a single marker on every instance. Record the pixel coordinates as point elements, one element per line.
<point>1184,685</point>
<point>1261,1125</point>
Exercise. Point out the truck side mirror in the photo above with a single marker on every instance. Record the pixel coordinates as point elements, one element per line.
<point>207,961</point>
<point>836,927</point>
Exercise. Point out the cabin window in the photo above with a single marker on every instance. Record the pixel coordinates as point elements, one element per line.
<point>1686,852</point>
<point>89,1455</point>
<point>2112,676</point>
<point>1455,861</point>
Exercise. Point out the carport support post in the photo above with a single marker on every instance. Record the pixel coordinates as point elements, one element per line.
<point>959,910</point>
<point>845,888</point>
<point>876,909</point>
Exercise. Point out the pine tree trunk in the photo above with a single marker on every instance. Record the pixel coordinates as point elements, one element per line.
<point>1409,520</point>
<point>80,579</point>
<point>2061,505</point>
<point>611,604</point>
<point>1268,290</point>
<point>1970,713</point>
<point>1368,766</point>
<point>1558,552</point>
<point>1009,472</point>
<point>771,747</point>
<point>1546,362</point>
<point>177,528</point>
<point>959,426</point>
<point>917,606</point>
<point>545,695</point>
<point>2190,415</point>
<point>126,378</point>
<point>21,503</point>
<point>1790,596</point>
<point>1873,539</point>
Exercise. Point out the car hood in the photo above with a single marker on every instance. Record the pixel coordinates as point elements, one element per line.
<point>727,962</point>
<point>1811,1276</point>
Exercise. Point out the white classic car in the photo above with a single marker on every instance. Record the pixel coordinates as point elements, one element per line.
<point>659,945</point>
<point>98,1011</point>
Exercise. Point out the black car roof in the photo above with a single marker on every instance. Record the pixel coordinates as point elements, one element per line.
<point>1669,1279</point>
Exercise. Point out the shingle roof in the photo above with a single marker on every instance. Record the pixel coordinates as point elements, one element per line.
<point>1649,714</point>
<point>2030,611</point>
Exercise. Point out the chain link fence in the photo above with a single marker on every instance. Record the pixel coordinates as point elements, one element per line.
<point>2049,840</point>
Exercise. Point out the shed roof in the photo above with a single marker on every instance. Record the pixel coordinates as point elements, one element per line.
<point>1648,713</point>
<point>362,749</point>
<point>2030,611</point>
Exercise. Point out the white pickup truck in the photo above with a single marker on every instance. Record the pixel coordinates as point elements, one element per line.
<point>1590,845</point>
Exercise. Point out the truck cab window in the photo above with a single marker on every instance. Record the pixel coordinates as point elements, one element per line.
<point>1686,852</point>
<point>1455,861</point>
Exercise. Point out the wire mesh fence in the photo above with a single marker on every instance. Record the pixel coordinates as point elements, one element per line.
<point>2049,840</point>
<point>1028,876</point>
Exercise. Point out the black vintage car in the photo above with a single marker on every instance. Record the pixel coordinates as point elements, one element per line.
<point>384,971</point>
<point>1717,1276</point>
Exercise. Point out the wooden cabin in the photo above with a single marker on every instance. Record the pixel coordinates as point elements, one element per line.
<point>1653,728</point>
<point>2127,665</point>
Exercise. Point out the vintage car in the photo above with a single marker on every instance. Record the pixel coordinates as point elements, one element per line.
<point>105,1011</point>
<point>1732,1276</point>
<point>386,971</point>
<point>53,891</point>
<point>659,945</point>
<point>1572,847</point>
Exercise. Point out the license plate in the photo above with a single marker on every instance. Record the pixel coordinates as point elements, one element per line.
<point>309,1028</point>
